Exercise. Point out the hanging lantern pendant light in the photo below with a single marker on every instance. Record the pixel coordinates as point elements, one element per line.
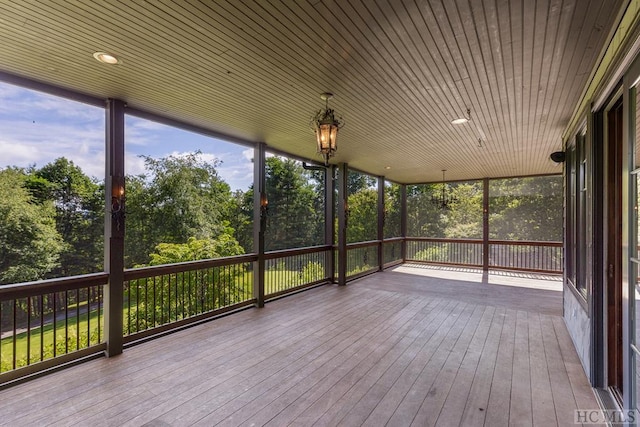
<point>445,199</point>
<point>326,126</point>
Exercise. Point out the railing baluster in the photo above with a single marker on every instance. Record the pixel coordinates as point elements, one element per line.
<point>129,285</point>
<point>28,330</point>
<point>88,316</point>
<point>225,283</point>
<point>15,330</point>
<point>55,328</point>
<point>66,321</point>
<point>99,313</point>
<point>1,332</point>
<point>77,318</point>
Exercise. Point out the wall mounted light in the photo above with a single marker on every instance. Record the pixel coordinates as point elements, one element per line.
<point>117,205</point>
<point>325,124</point>
<point>264,206</point>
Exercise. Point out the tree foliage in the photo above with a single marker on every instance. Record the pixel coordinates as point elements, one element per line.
<point>181,197</point>
<point>519,209</point>
<point>295,215</point>
<point>526,208</point>
<point>362,224</point>
<point>362,205</point>
<point>392,214</point>
<point>241,217</point>
<point>79,216</point>
<point>30,245</point>
<point>194,249</point>
<point>424,218</point>
<point>464,218</point>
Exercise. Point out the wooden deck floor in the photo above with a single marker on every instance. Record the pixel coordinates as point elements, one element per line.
<point>411,346</point>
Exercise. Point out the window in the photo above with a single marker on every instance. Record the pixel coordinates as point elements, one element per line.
<point>576,212</point>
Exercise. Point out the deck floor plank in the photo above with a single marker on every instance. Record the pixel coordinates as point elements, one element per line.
<point>542,403</point>
<point>356,341</point>
<point>411,345</point>
<point>497,413</point>
<point>577,378</point>
<point>395,394</point>
<point>477,401</point>
<point>564,400</point>
<point>420,388</point>
<point>371,388</point>
<point>310,406</point>
<point>274,356</point>
<point>433,397</point>
<point>294,401</point>
<point>457,388</point>
<point>520,403</point>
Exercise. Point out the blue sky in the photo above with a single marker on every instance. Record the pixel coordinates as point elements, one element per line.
<point>37,128</point>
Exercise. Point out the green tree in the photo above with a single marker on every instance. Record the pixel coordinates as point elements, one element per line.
<point>424,217</point>
<point>464,218</point>
<point>79,214</point>
<point>30,245</point>
<point>179,198</point>
<point>357,181</point>
<point>195,249</point>
<point>362,205</point>
<point>526,208</point>
<point>241,217</point>
<point>362,224</point>
<point>296,214</point>
<point>173,297</point>
<point>392,210</point>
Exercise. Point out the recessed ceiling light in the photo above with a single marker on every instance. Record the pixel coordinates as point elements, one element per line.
<point>106,58</point>
<point>387,167</point>
<point>459,121</point>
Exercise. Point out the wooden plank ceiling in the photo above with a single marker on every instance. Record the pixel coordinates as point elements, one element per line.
<point>400,70</point>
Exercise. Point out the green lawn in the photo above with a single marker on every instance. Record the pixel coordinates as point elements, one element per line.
<point>38,340</point>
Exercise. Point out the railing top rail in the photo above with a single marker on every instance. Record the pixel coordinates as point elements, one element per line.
<point>159,270</point>
<point>491,241</point>
<point>392,239</point>
<point>444,240</point>
<point>296,251</point>
<point>363,244</point>
<point>525,243</point>
<point>40,287</point>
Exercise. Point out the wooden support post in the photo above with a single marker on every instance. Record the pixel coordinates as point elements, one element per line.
<point>343,213</point>
<point>381,220</point>
<point>329,229</point>
<point>403,221</point>
<point>114,226</point>
<point>485,224</point>
<point>260,211</point>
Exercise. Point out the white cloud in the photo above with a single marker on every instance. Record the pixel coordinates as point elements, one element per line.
<point>26,143</point>
<point>133,164</point>
<point>248,154</point>
<point>36,129</point>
